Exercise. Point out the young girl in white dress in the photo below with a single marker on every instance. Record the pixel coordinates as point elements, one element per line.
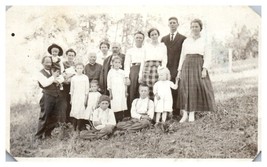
<point>117,88</point>
<point>93,99</point>
<point>163,96</point>
<point>79,88</point>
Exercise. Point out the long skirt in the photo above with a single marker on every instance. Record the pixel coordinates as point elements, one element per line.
<point>150,75</point>
<point>195,93</point>
<point>133,88</point>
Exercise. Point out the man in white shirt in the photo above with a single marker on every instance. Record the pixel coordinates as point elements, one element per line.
<point>142,112</point>
<point>50,102</point>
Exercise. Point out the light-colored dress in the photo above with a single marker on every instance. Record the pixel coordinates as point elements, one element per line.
<point>79,88</point>
<point>163,89</point>
<point>115,82</point>
<point>92,103</point>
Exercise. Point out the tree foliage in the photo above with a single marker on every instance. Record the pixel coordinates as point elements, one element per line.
<point>243,42</point>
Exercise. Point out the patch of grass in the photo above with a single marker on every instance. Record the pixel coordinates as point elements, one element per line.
<point>229,132</point>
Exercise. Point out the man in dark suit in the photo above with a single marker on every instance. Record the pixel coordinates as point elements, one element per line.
<point>116,48</point>
<point>173,42</point>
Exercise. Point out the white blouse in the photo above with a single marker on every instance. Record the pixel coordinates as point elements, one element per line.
<point>100,57</point>
<point>196,46</point>
<point>133,55</point>
<point>154,52</point>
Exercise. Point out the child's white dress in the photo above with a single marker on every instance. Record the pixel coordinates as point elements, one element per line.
<point>115,82</point>
<point>163,89</point>
<point>79,87</point>
<point>92,104</point>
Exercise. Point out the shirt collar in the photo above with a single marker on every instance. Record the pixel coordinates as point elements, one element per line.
<point>143,99</point>
<point>174,34</point>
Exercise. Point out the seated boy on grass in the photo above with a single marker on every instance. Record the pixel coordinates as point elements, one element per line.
<point>104,121</point>
<point>142,112</point>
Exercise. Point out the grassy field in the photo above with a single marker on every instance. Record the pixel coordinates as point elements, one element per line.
<point>229,132</point>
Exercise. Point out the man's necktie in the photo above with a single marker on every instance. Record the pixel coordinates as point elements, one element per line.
<point>172,37</point>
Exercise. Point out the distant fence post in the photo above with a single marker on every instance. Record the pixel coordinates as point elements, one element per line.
<point>230,57</point>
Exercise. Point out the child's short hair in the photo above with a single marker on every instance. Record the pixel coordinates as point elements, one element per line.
<point>71,50</point>
<point>79,64</point>
<point>116,58</point>
<point>94,82</point>
<point>164,70</point>
<point>143,85</point>
<point>104,98</point>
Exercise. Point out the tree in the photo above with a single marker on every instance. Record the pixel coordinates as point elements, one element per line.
<point>243,43</point>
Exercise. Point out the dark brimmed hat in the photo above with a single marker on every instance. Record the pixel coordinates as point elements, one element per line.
<point>55,46</point>
<point>104,98</point>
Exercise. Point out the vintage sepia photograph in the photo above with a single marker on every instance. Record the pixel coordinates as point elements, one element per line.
<point>175,82</point>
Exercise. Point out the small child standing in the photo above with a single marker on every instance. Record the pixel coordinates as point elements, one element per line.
<point>163,96</point>
<point>56,51</point>
<point>117,88</point>
<point>93,98</point>
<point>79,88</point>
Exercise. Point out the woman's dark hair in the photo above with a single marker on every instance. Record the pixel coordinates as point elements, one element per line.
<point>143,85</point>
<point>70,50</point>
<point>140,32</point>
<point>153,29</point>
<point>104,43</point>
<point>199,23</point>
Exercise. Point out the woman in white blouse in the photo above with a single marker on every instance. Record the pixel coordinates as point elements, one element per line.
<point>132,64</point>
<point>155,56</point>
<point>195,89</point>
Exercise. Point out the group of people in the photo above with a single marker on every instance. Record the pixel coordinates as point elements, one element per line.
<point>153,82</point>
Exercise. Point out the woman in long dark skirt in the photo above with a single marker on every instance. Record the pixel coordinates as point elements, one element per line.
<point>196,92</point>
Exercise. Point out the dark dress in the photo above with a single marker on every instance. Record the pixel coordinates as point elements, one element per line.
<point>93,71</point>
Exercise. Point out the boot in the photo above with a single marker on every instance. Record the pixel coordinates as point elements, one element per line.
<point>184,118</point>
<point>191,116</point>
